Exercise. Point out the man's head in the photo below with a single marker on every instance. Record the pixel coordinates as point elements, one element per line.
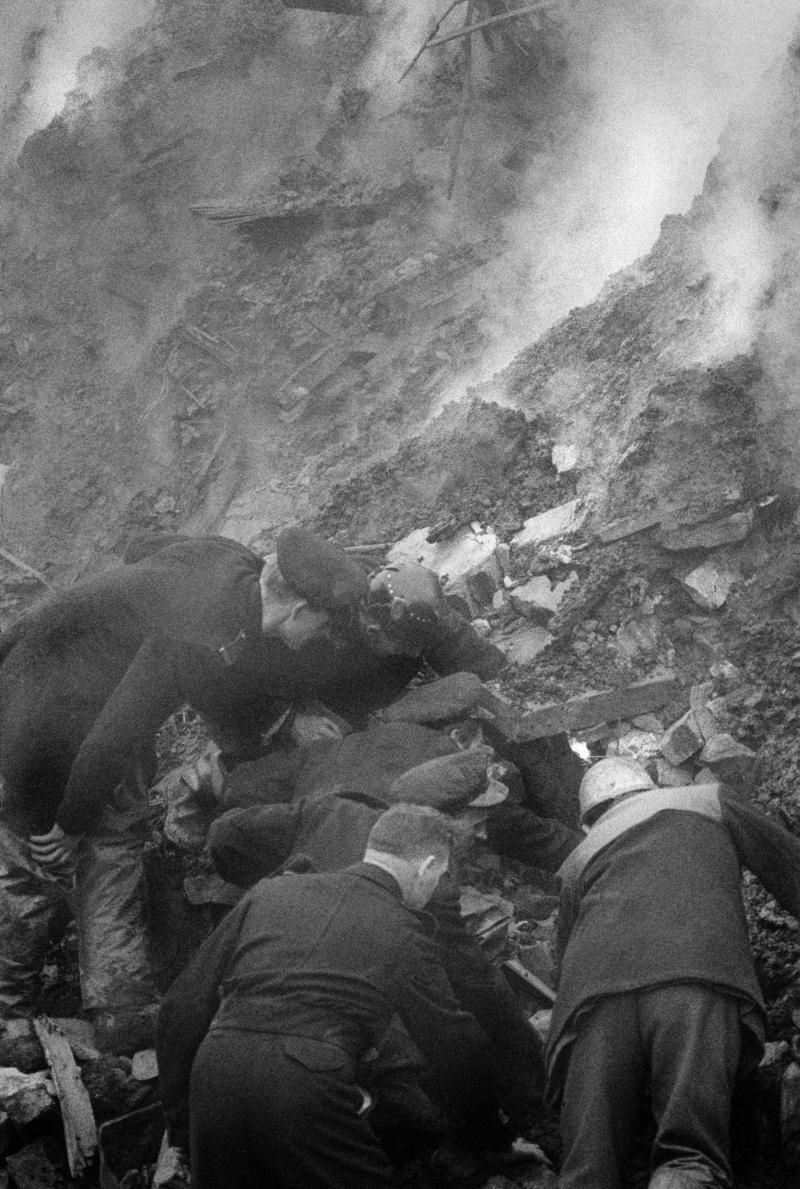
<point>412,843</point>
<point>607,781</point>
<point>285,614</point>
<point>401,609</point>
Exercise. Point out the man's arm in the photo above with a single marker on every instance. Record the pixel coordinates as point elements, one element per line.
<point>147,694</point>
<point>457,1050</point>
<point>457,647</point>
<point>521,834</point>
<point>184,1018</point>
<point>484,992</point>
<point>766,848</point>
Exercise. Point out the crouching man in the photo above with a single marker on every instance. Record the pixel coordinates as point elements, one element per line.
<point>658,994</point>
<point>259,1037</point>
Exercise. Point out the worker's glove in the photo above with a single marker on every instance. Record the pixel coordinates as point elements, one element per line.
<point>54,850</point>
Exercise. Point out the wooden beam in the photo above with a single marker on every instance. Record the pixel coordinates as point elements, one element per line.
<point>521,723</point>
<point>80,1129</point>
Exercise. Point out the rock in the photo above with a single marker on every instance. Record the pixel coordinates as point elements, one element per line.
<point>25,1096</point>
<point>729,760</point>
<point>19,1046</point>
<point>144,1065</point>
<point>682,740</point>
<point>727,673</point>
<point>445,700</point>
<point>638,637</point>
<point>539,598</point>
<point>709,535</point>
<point>170,1171</point>
<point>709,586</point>
<point>637,745</point>
<point>705,776</point>
<point>718,707</point>
<point>525,645</point>
<point>482,628</point>
<point>565,458</point>
<point>556,522</point>
<point>673,775</point>
<point>467,563</point>
<point>698,698</point>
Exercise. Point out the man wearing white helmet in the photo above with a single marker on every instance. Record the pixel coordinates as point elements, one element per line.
<point>658,994</point>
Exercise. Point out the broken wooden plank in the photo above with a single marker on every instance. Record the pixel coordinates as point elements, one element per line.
<point>520,723</point>
<point>530,981</point>
<point>80,1129</point>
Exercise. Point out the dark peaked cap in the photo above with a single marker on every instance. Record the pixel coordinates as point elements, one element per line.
<point>319,570</point>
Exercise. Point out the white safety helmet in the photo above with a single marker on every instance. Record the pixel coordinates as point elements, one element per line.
<point>609,779</point>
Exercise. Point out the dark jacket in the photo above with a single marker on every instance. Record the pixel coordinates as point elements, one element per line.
<point>329,956</point>
<point>653,896</point>
<point>331,832</point>
<point>88,677</point>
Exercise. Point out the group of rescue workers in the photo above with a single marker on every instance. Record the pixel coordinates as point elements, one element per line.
<point>344,982</point>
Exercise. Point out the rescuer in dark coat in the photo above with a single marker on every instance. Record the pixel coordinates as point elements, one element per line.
<point>261,1034</point>
<point>657,989</point>
<point>89,675</point>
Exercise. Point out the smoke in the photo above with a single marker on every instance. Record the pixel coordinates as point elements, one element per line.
<point>43,42</point>
<point>662,78</point>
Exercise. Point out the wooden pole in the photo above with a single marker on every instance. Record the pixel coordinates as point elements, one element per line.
<point>466,103</point>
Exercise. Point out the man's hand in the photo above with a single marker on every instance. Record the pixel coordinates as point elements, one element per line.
<point>54,850</point>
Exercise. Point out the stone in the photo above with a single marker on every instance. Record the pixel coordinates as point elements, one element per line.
<point>709,535</point>
<point>565,458</point>
<point>727,673</point>
<point>730,761</point>
<point>80,1034</point>
<point>682,740</point>
<point>705,776</point>
<point>641,746</point>
<point>539,599</point>
<point>673,775</point>
<point>524,646</point>
<point>556,522</point>
<point>144,1065</point>
<point>648,722</point>
<point>19,1046</point>
<point>704,718</point>
<point>25,1096</point>
<point>638,637</point>
<point>709,586</point>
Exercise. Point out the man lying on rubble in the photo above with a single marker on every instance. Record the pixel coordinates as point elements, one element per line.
<point>658,993</point>
<point>88,677</point>
<point>260,1036</point>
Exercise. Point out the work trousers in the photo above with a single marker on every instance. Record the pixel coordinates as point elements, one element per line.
<point>279,1112</point>
<point>106,893</point>
<point>680,1044</point>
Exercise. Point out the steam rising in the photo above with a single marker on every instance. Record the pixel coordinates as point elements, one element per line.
<point>43,45</point>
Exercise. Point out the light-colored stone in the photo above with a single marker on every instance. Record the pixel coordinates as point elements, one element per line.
<point>144,1065</point>
<point>648,722</point>
<point>637,745</point>
<point>705,776</point>
<point>565,458</point>
<point>682,740</point>
<point>709,586</point>
<point>25,1096</point>
<point>539,598</point>
<point>729,760</point>
<point>526,644</point>
<point>556,522</point>
<point>709,535</point>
